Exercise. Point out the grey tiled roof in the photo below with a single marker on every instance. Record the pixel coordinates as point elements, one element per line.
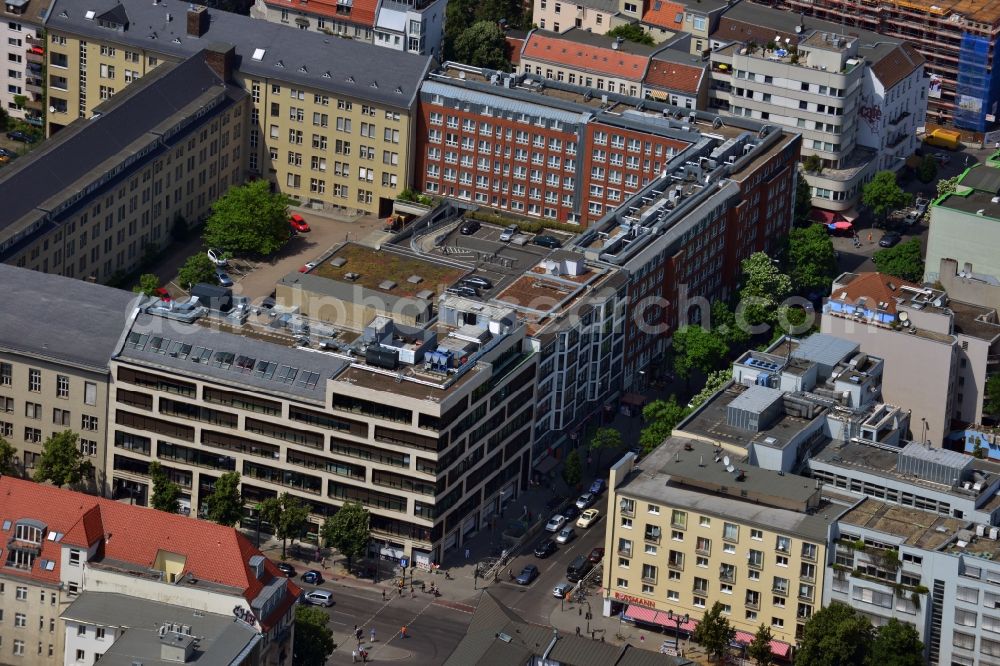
<point>313,59</point>
<point>60,318</point>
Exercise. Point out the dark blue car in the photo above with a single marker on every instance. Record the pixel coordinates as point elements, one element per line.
<point>312,577</point>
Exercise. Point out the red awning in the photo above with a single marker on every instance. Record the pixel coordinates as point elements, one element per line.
<point>842,225</point>
<point>642,614</point>
<point>778,648</point>
<point>824,216</point>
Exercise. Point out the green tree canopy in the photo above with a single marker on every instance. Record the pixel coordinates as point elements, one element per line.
<point>605,439</point>
<point>903,261</point>
<point>803,202</point>
<point>249,218</point>
<point>288,515</point>
<point>8,458</point>
<point>836,636</point>
<point>882,194</point>
<point>166,493</point>
<point>661,417</point>
<point>225,504</point>
<point>715,381</point>
<point>764,289</point>
<point>811,258</point>
<point>927,169</point>
<point>633,32</point>
<point>197,268</point>
<point>572,470</point>
<point>991,405</point>
<point>313,639</point>
<point>696,348</point>
<point>714,632</point>
<point>947,186</point>
<point>348,531</point>
<point>460,15</point>
<point>148,284</point>
<point>759,649</point>
<point>62,463</point>
<point>897,644</point>
<point>725,325</point>
<point>482,45</point>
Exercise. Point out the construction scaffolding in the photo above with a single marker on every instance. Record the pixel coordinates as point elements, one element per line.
<point>972,90</point>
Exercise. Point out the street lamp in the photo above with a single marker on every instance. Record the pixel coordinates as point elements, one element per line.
<point>678,619</point>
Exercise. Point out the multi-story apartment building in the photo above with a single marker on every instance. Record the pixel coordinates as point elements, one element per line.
<point>330,137</point>
<point>54,375</point>
<point>963,226</point>
<point>88,207</point>
<point>414,26</point>
<point>899,321</point>
<point>957,37</point>
<point>677,78</point>
<point>662,20</point>
<point>856,98</point>
<point>24,45</point>
<point>687,528</point>
<point>430,428</point>
<point>74,563</point>
<point>597,16</point>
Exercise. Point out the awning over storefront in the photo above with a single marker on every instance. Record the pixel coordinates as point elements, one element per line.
<point>653,616</point>
<point>778,648</point>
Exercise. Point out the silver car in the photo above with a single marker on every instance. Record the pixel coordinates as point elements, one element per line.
<point>508,233</point>
<point>223,278</point>
<point>561,590</point>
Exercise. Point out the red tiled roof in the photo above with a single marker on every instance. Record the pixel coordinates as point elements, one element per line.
<point>674,76</point>
<point>585,57</point>
<point>875,288</point>
<point>664,15</point>
<point>133,534</point>
<point>362,11</point>
<point>896,65</point>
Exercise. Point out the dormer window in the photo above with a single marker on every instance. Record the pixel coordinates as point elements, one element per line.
<point>29,532</point>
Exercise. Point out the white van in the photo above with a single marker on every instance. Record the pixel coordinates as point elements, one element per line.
<point>320,598</point>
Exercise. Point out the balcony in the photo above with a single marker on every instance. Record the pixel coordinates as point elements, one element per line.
<point>727,576</point>
<point>675,565</point>
<point>757,565</point>
<point>781,591</point>
<point>35,54</point>
<point>900,118</point>
<point>753,605</point>
<point>652,537</point>
<point>33,86</point>
<point>700,589</point>
<point>625,552</point>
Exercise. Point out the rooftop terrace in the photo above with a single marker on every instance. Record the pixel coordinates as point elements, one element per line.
<point>365,267</point>
<point>921,529</point>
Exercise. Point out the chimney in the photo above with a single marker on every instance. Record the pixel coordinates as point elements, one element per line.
<point>197,20</point>
<point>220,58</point>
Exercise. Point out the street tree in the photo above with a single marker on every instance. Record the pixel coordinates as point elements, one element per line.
<point>725,325</point>
<point>572,470</point>
<point>495,11</point>
<point>225,503</point>
<point>897,644</point>
<point>714,632</point>
<point>8,458</point>
<point>991,405</point>
<point>836,635</point>
<point>459,15</point>
<point>348,531</point>
<point>249,218</point>
<point>482,45</point>
<point>166,493</point>
<point>197,268</point>
<point>812,259</point>
<point>803,202</point>
<point>759,649</point>
<point>927,169</point>
<point>148,284</point>
<point>764,289</point>
<point>62,463</point>
<point>632,32</point>
<point>715,381</point>
<point>604,439</point>
<point>697,348</point>
<point>288,515</point>
<point>313,639</point>
<point>661,417</point>
<point>882,194</point>
<point>903,261</point>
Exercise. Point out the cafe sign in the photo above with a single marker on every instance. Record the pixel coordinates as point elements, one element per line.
<point>637,601</point>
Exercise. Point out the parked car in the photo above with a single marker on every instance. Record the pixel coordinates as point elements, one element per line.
<point>598,487</point>
<point>18,135</point>
<point>588,518</point>
<point>528,574</point>
<point>545,548</point>
<point>578,568</point>
<point>469,227</point>
<point>941,158</point>
<point>162,294</point>
<point>297,222</point>
<point>312,577</point>
<point>286,568</point>
<point>4,152</point>
<point>585,500</point>
<point>890,239</point>
<point>566,535</point>
<point>508,233</point>
<point>921,204</point>
<point>223,278</point>
<point>463,290</point>
<point>477,282</point>
<point>320,598</point>
<point>561,590</point>
<point>307,267</point>
<point>911,218</point>
<point>570,513</point>
<point>217,257</point>
<point>555,523</point>
<point>550,242</point>
<point>596,555</point>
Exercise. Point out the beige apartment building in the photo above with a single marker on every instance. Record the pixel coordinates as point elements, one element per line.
<point>597,16</point>
<point>430,429</point>
<point>327,126</point>
<point>688,529</point>
<point>49,382</point>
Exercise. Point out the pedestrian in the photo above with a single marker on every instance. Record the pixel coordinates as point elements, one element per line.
<point>383,595</point>
<point>354,656</point>
<point>364,656</point>
<point>373,635</point>
<point>869,237</point>
<point>402,631</point>
<point>467,553</point>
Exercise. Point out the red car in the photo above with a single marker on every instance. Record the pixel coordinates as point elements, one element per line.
<point>163,294</point>
<point>298,223</point>
<point>307,267</point>
<point>596,555</point>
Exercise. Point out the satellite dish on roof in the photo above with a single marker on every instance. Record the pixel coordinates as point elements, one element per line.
<point>903,316</point>
<point>725,461</point>
<point>730,469</point>
<point>798,28</point>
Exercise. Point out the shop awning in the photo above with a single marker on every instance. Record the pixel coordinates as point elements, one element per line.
<point>842,225</point>
<point>826,216</point>
<point>778,648</point>
<point>652,616</point>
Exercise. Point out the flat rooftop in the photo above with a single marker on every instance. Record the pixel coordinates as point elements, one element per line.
<point>921,529</point>
<point>975,321</point>
<point>973,202</point>
<point>362,266</point>
<point>684,473</point>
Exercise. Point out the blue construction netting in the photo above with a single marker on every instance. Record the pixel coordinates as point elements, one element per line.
<point>973,98</point>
